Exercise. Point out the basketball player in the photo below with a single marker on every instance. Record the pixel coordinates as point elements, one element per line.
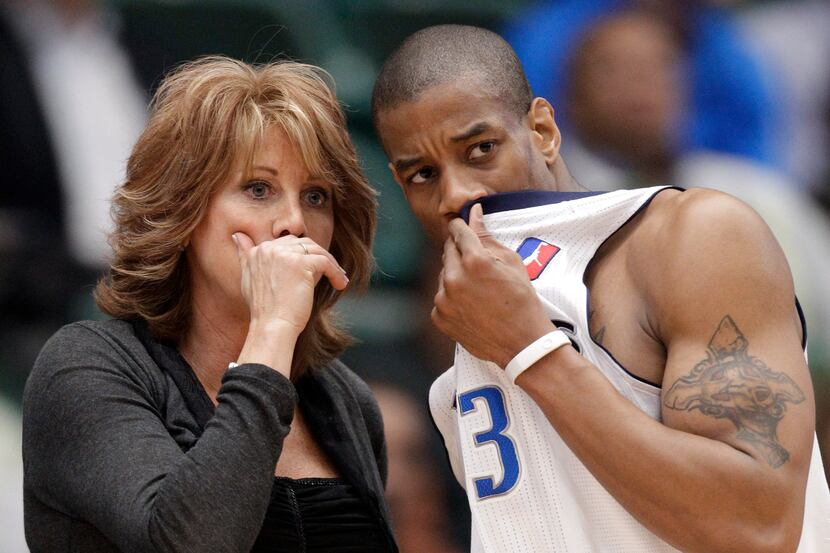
<point>633,379</point>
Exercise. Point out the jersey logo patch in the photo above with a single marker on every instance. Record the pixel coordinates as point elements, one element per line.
<point>536,254</point>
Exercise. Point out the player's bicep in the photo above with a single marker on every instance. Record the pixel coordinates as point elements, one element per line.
<point>735,368</point>
<point>743,389</point>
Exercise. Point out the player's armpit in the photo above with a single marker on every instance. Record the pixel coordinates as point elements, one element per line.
<point>730,384</point>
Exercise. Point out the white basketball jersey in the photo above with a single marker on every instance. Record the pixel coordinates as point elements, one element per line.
<point>527,491</point>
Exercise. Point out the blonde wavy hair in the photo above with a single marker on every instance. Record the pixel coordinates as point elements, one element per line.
<point>207,117</point>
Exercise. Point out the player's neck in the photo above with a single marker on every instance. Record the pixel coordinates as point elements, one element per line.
<point>561,179</point>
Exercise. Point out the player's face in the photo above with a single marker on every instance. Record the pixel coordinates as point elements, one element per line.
<point>454,144</point>
<point>279,197</point>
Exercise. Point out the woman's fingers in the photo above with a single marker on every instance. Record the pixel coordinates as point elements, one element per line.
<point>331,268</point>
<point>315,252</point>
<point>326,266</point>
<point>312,247</point>
<point>243,242</point>
<point>290,249</point>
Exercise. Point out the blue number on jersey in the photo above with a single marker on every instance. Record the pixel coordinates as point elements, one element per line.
<point>493,397</point>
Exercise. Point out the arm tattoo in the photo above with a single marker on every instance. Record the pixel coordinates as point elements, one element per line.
<point>599,335</point>
<point>731,384</point>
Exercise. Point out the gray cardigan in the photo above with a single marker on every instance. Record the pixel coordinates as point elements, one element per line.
<point>122,448</point>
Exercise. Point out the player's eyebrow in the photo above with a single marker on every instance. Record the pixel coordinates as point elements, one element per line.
<point>407,162</point>
<point>475,130</point>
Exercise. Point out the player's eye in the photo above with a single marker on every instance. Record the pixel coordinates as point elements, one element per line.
<point>482,149</point>
<point>422,175</point>
<point>258,190</point>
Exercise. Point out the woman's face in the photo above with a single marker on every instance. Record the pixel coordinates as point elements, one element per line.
<point>279,197</point>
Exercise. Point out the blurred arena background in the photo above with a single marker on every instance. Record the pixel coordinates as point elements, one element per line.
<point>724,94</point>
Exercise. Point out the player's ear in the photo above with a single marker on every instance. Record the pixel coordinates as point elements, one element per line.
<point>544,131</point>
<point>395,174</point>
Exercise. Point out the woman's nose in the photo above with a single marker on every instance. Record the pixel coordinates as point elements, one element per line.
<point>291,220</point>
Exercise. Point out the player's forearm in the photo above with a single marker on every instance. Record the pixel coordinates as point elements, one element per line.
<point>697,493</point>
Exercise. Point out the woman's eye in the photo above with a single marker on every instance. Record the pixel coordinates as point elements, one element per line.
<point>421,176</point>
<point>483,149</point>
<point>259,190</point>
<point>317,197</point>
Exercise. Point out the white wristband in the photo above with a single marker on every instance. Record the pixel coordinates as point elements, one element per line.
<point>535,351</point>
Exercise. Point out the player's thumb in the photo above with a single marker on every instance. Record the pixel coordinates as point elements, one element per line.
<point>477,224</point>
<point>243,242</point>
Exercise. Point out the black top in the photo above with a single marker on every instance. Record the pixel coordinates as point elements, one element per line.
<point>120,453</point>
<point>318,515</point>
<point>309,515</point>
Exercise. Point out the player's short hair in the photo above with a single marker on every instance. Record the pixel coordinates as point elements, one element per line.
<point>207,118</point>
<point>444,53</point>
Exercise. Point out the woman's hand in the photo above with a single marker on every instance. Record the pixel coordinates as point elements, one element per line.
<point>278,281</point>
<point>279,277</point>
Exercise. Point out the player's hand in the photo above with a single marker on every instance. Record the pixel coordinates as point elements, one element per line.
<point>485,300</point>
<point>279,277</point>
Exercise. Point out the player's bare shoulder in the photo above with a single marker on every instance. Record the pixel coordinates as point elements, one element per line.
<point>699,216</point>
<point>703,242</point>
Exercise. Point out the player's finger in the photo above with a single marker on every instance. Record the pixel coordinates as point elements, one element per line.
<point>436,319</point>
<point>454,273</point>
<point>477,223</point>
<point>451,257</point>
<point>465,239</point>
<point>440,291</point>
<point>484,236</point>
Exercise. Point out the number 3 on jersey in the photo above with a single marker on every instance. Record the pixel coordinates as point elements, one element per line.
<point>493,400</point>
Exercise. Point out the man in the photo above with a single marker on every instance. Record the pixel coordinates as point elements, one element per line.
<point>679,411</point>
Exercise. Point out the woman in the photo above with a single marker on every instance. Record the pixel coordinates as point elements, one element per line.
<point>211,413</point>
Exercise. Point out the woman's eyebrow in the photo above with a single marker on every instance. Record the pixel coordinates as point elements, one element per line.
<point>267,169</point>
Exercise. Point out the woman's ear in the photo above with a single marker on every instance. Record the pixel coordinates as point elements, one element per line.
<point>544,131</point>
